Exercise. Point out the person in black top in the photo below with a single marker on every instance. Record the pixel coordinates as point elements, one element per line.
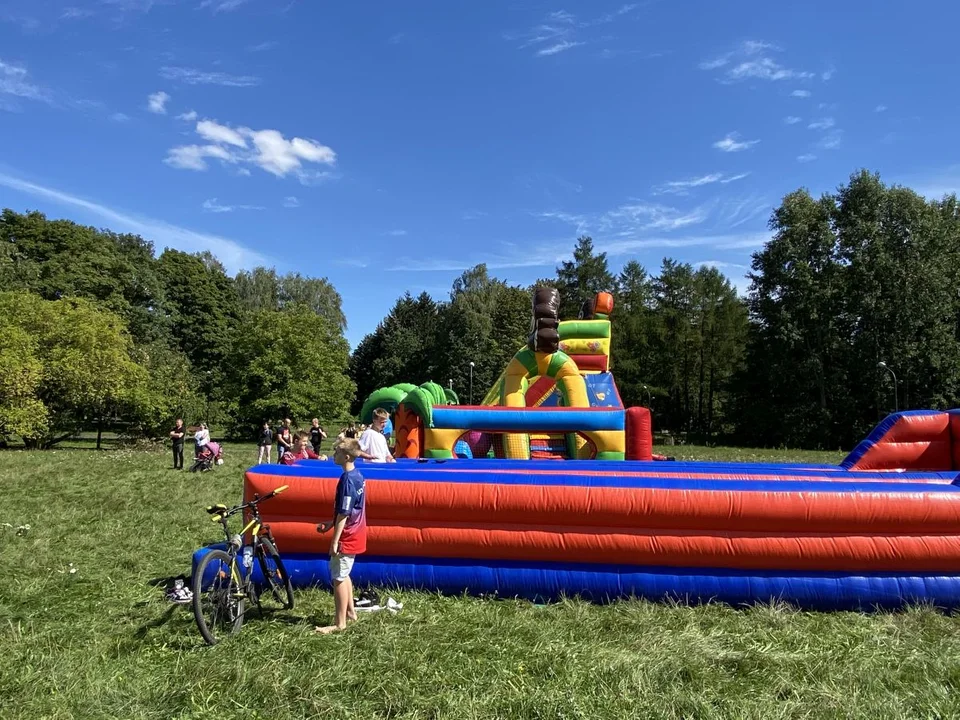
<point>317,435</point>
<point>177,435</point>
<point>265,442</point>
<point>284,439</point>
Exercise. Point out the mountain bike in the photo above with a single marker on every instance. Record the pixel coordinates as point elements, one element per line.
<point>223,581</point>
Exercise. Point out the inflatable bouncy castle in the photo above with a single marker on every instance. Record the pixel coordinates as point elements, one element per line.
<point>882,529</point>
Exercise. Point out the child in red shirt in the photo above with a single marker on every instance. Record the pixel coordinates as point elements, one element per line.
<point>349,533</point>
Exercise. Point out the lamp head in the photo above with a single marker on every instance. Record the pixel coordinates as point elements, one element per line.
<point>881,364</point>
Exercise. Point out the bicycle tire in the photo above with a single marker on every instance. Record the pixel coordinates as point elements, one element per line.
<point>232,590</point>
<point>278,582</point>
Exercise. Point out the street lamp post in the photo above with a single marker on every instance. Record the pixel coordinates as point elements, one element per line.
<point>471,382</point>
<point>649,395</point>
<point>896,394</point>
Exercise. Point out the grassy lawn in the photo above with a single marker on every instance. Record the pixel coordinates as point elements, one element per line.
<point>86,633</point>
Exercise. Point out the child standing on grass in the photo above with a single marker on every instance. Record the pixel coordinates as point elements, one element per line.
<point>265,443</point>
<point>349,533</point>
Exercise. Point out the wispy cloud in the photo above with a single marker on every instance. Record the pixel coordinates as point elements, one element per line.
<point>212,205</point>
<point>561,30</point>
<point>15,82</point>
<point>261,47</point>
<point>880,108</point>
<point>682,187</point>
<point>218,6</point>
<point>806,157</point>
<point>192,76</point>
<point>188,116</point>
<point>545,255</point>
<point>732,143</point>
<point>396,38</point>
<point>267,149</point>
<point>792,120</point>
<point>800,93</point>
<point>291,201</point>
<point>163,234</point>
<point>828,73</point>
<point>120,117</point>
<point>558,47</point>
<point>74,13</point>
<point>831,141</point>
<point>396,233</point>
<point>822,124</point>
<point>473,214</point>
<point>157,102</point>
<point>751,61</point>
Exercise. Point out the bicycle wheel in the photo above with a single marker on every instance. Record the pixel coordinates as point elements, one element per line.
<point>217,598</point>
<point>278,589</point>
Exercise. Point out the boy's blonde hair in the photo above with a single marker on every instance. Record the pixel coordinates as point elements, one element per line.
<point>349,447</point>
<point>381,413</point>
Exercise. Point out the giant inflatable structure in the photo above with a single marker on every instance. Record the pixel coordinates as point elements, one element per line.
<point>882,529</point>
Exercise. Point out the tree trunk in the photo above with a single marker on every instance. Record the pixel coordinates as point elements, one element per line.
<point>99,431</point>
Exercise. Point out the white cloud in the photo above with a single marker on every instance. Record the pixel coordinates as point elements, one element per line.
<point>216,133</point>
<point>188,116</point>
<point>74,13</point>
<point>212,205</point>
<point>806,157</point>
<point>291,201</point>
<point>731,143</point>
<point>831,141</point>
<point>829,73</point>
<point>396,233</point>
<point>192,76</point>
<point>222,5</point>
<point>157,102</point>
<point>473,214</point>
<point>681,187</point>
<point>822,124</point>
<point>260,47</point>
<point>14,81</point>
<point>561,30</point>
<point>267,149</point>
<point>751,61</point>
<point>880,108</point>
<point>163,234</point>
<point>119,117</point>
<point>396,38</point>
<point>558,48</point>
<point>800,93</point>
<point>792,120</point>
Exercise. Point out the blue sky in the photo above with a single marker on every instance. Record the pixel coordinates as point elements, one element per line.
<point>388,146</point>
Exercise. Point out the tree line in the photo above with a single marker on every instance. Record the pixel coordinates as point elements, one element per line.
<point>864,275</point>
<point>94,328</point>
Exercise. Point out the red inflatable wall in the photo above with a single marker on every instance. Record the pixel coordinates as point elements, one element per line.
<point>639,434</point>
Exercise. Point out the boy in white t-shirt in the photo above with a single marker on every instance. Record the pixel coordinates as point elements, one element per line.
<point>373,444</point>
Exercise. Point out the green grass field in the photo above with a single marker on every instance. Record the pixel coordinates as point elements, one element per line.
<point>85,631</point>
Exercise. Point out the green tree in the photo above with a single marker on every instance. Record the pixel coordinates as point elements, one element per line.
<point>632,332</point>
<point>59,258</point>
<point>263,289</point>
<point>295,365</point>
<point>582,278</point>
<point>86,373</point>
<point>204,311</point>
<point>403,348</point>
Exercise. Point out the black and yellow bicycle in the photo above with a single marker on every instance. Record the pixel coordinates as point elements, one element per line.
<point>223,581</point>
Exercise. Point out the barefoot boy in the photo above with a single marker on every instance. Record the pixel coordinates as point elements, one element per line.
<point>349,533</point>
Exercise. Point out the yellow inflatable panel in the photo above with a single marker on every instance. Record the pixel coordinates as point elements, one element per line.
<point>583,346</point>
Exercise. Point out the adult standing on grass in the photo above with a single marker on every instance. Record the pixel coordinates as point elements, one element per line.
<point>284,439</point>
<point>317,435</point>
<point>349,533</point>
<point>265,443</point>
<point>177,435</point>
<point>373,444</point>
<point>200,438</point>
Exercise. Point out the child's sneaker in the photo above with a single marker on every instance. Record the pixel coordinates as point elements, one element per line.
<point>180,594</point>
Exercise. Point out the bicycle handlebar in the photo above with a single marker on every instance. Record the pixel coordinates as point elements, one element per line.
<point>221,512</point>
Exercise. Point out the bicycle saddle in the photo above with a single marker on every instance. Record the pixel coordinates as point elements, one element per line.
<point>216,509</point>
